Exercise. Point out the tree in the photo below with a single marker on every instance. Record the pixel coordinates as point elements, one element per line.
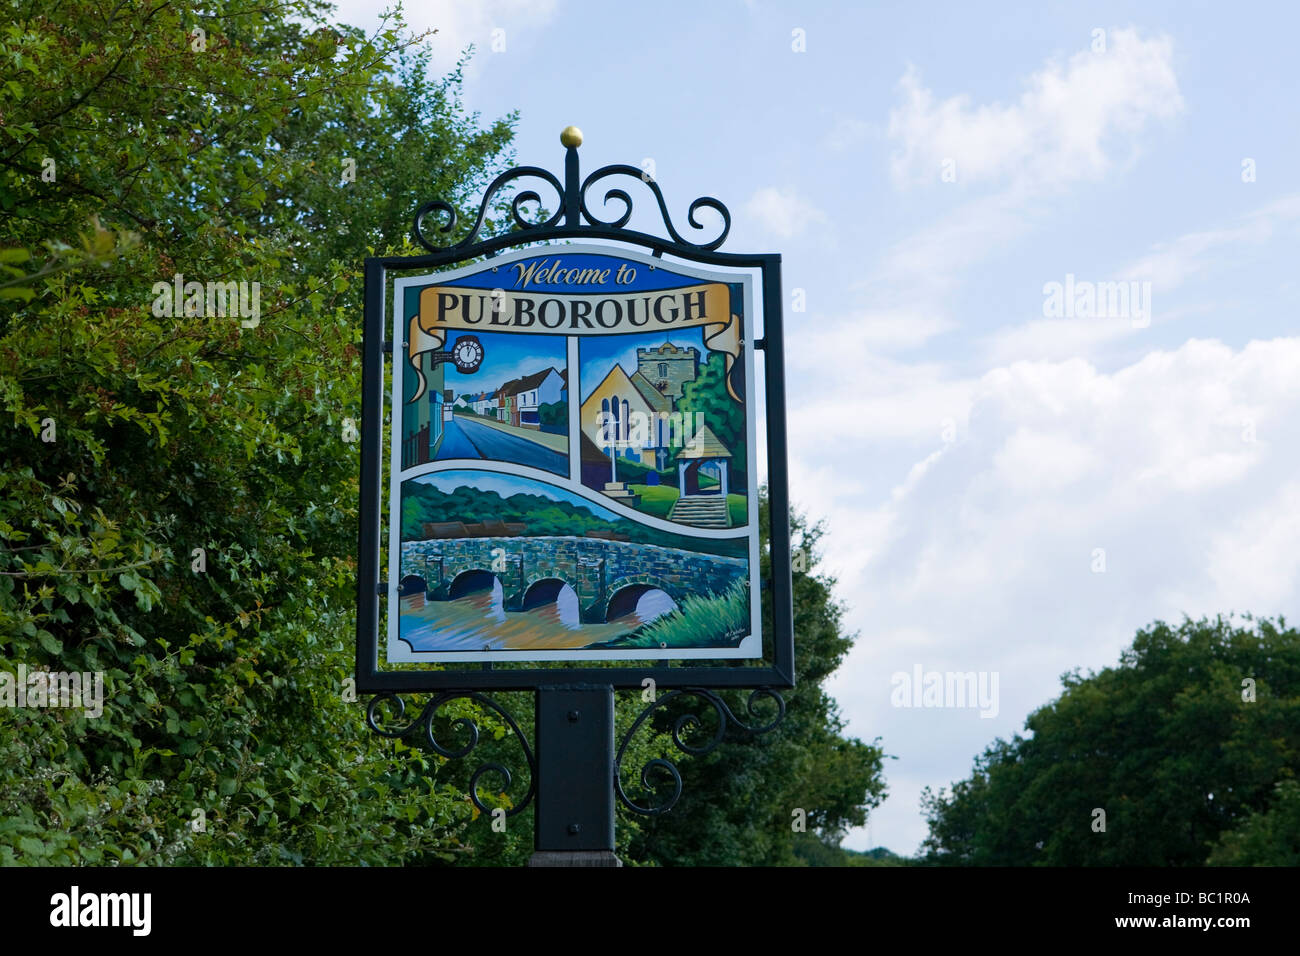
<point>740,802</point>
<point>554,414</point>
<point>1180,747</point>
<point>177,506</point>
<point>1268,838</point>
<point>707,395</point>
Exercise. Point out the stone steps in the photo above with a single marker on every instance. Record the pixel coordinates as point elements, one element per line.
<point>703,512</point>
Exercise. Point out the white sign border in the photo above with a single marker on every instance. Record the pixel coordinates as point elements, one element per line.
<point>398,651</point>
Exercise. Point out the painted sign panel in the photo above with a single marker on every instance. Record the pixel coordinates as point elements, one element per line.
<point>574,462</point>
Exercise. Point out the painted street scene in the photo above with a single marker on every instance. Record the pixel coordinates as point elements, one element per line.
<point>513,407</point>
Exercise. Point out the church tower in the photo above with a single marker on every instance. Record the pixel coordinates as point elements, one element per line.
<point>668,368</point>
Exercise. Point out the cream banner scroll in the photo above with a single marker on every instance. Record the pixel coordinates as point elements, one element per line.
<point>447,308</point>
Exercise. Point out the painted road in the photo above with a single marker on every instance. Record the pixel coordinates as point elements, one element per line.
<point>464,438</point>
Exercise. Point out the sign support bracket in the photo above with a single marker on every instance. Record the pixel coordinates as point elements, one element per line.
<point>574,822</point>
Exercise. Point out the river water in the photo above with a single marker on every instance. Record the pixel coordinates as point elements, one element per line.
<point>480,621</point>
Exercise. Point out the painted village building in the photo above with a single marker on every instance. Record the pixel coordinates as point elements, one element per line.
<point>441,407</point>
<point>422,418</point>
<point>541,388</point>
<point>617,404</point>
<point>484,403</point>
<point>650,394</point>
<point>635,418</point>
<point>703,456</point>
<point>519,400</point>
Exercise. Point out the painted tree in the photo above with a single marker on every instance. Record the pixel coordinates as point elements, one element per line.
<point>724,416</point>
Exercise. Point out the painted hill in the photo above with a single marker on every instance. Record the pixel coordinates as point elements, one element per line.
<point>541,516</point>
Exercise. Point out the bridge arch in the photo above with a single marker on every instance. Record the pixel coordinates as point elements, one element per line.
<point>468,582</point>
<point>625,593</point>
<point>543,591</point>
<point>411,584</point>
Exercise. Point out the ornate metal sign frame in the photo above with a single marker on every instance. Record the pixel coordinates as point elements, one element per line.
<point>573,219</point>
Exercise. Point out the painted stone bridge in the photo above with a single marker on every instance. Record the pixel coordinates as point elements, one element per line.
<point>609,577</point>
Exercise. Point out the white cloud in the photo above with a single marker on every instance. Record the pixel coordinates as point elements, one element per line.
<point>1256,559</point>
<point>1067,125</point>
<point>1071,123</point>
<point>861,397</point>
<point>926,266</point>
<point>1056,339</point>
<point>1180,465</point>
<point>782,212</point>
<point>891,331</point>
<point>1035,460</point>
<point>861,334</point>
<point>1169,265</point>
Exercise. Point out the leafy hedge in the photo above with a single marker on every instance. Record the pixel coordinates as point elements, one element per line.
<point>177,506</point>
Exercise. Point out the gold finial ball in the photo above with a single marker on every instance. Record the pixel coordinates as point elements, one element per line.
<point>571,137</point>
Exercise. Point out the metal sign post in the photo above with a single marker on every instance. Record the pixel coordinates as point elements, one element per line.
<point>573,500</point>
<point>575,745</point>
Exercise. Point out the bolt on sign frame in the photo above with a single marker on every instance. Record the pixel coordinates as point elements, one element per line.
<point>573,220</point>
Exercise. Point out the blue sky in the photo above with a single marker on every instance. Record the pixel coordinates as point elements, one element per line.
<point>507,357</point>
<point>599,353</point>
<point>927,171</point>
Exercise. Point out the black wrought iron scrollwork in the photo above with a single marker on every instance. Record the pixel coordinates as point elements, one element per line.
<point>666,770</point>
<point>489,196</point>
<point>571,209</point>
<point>459,724</point>
<point>704,202</point>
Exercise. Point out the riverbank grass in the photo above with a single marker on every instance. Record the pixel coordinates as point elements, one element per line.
<point>714,620</point>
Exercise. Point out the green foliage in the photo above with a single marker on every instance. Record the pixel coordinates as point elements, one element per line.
<point>656,500</point>
<point>631,470</point>
<point>708,395</point>
<point>543,516</point>
<point>736,505</point>
<point>737,803</point>
<point>1265,838</point>
<point>1166,744</point>
<point>814,851</point>
<point>177,506</point>
<point>555,414</point>
<point>99,246</point>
